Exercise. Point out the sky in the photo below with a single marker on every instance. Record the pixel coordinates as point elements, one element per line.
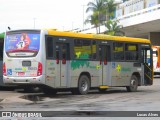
<point>30,14</point>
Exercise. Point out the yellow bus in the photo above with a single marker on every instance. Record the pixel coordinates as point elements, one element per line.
<point>61,61</point>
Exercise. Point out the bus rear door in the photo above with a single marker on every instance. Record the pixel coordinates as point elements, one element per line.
<point>104,67</point>
<point>62,64</point>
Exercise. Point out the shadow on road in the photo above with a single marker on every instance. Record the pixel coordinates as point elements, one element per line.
<point>40,96</point>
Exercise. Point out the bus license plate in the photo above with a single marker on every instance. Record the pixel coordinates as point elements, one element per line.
<point>21,73</point>
<point>26,63</point>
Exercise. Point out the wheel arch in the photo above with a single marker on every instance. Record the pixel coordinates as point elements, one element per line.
<point>87,74</point>
<point>137,74</point>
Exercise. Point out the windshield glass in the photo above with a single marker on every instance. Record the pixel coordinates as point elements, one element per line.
<point>22,44</point>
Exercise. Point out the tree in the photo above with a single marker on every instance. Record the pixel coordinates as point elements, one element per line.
<point>112,25</point>
<point>98,12</point>
<point>100,9</point>
<point>125,0</point>
<point>92,19</point>
<point>113,28</point>
<point>110,8</point>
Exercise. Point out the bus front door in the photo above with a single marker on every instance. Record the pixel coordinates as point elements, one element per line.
<point>62,64</point>
<point>103,56</point>
<point>147,65</point>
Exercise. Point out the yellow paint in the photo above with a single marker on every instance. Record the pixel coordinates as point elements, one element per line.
<point>78,54</point>
<point>132,47</point>
<point>93,48</point>
<point>103,87</point>
<point>118,68</point>
<point>97,36</point>
<point>97,67</point>
<point>24,69</point>
<point>119,49</point>
<point>83,49</point>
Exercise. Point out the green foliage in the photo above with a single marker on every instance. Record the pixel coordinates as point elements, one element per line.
<point>101,8</point>
<point>113,28</point>
<point>97,7</point>
<point>76,64</point>
<point>92,19</point>
<point>125,0</point>
<point>110,8</point>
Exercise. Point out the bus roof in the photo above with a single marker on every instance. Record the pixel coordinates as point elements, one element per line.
<point>96,36</point>
<point>91,36</point>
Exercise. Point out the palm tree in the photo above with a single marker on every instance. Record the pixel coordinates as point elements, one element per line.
<point>113,28</point>
<point>98,11</point>
<point>110,8</point>
<point>125,0</point>
<point>92,19</point>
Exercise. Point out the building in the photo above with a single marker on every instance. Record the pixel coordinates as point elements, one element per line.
<point>139,18</point>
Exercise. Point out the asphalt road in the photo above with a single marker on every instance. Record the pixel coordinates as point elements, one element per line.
<point>147,98</point>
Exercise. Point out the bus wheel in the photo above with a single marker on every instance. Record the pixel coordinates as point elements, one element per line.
<point>83,85</point>
<point>133,84</point>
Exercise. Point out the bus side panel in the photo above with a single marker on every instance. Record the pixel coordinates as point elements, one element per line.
<point>94,71</point>
<point>107,74</point>
<point>83,66</point>
<point>50,73</point>
<point>122,72</point>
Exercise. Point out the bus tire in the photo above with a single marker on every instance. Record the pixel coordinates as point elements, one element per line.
<point>83,85</point>
<point>133,84</point>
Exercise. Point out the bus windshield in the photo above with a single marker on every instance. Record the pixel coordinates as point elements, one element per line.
<point>23,44</point>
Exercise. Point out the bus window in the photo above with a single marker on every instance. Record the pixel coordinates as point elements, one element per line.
<point>82,49</point>
<point>64,52</point>
<point>100,54</point>
<point>49,47</point>
<point>22,44</point>
<point>87,49</point>
<point>57,52</point>
<point>94,50</point>
<point>131,51</point>
<point>155,53</point>
<point>118,51</point>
